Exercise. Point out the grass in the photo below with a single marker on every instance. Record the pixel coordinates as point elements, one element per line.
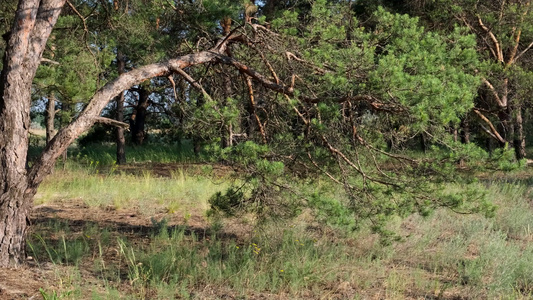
<point>105,154</point>
<point>442,256</point>
<point>119,189</point>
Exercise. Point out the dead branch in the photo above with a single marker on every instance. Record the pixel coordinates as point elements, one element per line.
<point>194,83</point>
<point>338,153</point>
<point>46,60</point>
<point>522,52</point>
<point>292,56</point>
<point>306,122</point>
<point>322,170</point>
<point>494,92</point>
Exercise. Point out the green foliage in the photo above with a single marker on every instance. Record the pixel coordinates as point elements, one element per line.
<point>331,211</point>
<point>412,82</point>
<point>54,295</point>
<point>428,73</point>
<point>227,202</point>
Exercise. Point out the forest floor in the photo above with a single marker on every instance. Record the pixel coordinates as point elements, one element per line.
<point>153,240</point>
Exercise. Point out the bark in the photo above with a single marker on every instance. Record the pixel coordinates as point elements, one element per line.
<point>465,130</point>
<point>120,139</point>
<point>423,143</point>
<point>66,109</point>
<point>138,118</point>
<point>33,23</point>
<point>252,111</point>
<point>227,131</point>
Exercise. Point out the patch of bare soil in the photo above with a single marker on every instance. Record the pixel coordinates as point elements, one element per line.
<point>22,283</point>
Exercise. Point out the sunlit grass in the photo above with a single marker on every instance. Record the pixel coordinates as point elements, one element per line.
<point>489,257</point>
<point>120,190</point>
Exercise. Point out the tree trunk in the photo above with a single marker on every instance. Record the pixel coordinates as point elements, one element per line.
<point>50,117</point>
<point>138,118</point>
<point>227,130</point>
<point>465,130</point>
<point>423,143</point>
<point>120,139</point>
<point>33,23</point>
<point>519,141</point>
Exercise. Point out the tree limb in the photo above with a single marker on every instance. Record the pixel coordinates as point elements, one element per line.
<point>494,93</point>
<point>46,60</point>
<point>495,133</point>
<point>252,104</point>
<point>111,122</point>
<point>493,38</point>
<point>522,52</point>
<point>194,83</point>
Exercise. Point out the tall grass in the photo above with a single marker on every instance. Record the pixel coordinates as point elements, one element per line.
<point>105,154</point>
<point>488,257</point>
<point>120,190</point>
<point>445,255</point>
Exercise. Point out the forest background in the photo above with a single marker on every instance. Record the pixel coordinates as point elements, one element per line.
<point>289,149</point>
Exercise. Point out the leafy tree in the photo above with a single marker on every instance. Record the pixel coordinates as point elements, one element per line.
<point>504,39</point>
<point>348,92</point>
